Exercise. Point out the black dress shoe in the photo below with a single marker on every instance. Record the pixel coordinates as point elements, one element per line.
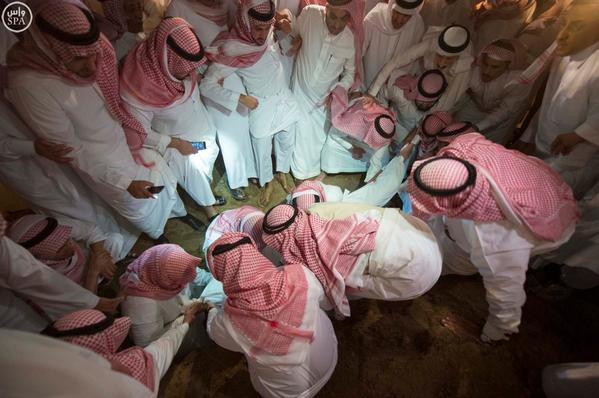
<point>193,222</point>
<point>161,240</point>
<point>219,200</point>
<point>238,194</point>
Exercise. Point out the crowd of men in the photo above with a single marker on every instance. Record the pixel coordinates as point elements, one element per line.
<point>480,120</point>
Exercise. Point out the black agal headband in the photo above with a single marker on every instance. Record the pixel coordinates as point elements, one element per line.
<point>274,229</point>
<point>470,181</point>
<point>262,17</point>
<point>94,328</point>
<point>42,235</point>
<point>227,247</point>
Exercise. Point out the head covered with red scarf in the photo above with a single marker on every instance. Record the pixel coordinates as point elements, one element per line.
<point>431,125</point>
<point>104,335</point>
<point>329,248</point>
<point>160,273</point>
<point>504,50</point>
<point>161,69</point>
<point>454,130</point>
<point>44,237</point>
<point>62,31</point>
<point>426,88</point>
<point>266,304</point>
<point>372,124</point>
<point>246,219</point>
<point>308,193</point>
<point>456,184</point>
<point>237,47</point>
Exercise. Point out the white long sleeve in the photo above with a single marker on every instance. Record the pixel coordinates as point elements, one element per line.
<point>512,103</point>
<point>54,293</point>
<point>589,129</point>
<point>398,61</point>
<point>47,118</point>
<point>211,88</point>
<point>154,140</point>
<point>15,148</point>
<point>218,333</point>
<point>164,349</point>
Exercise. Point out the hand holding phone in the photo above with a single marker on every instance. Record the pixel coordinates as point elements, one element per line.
<point>199,145</point>
<point>155,189</point>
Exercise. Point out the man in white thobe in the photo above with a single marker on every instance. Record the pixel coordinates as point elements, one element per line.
<point>67,92</point>
<point>390,29</point>
<point>273,109</point>
<point>165,98</point>
<point>448,50</point>
<point>209,18</point>
<point>491,102</point>
<point>565,130</point>
<point>326,59</point>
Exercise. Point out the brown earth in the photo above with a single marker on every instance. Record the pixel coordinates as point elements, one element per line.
<point>401,349</point>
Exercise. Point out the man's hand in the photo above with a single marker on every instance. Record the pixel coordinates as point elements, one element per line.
<point>283,21</point>
<point>184,147</point>
<point>101,259</point>
<point>191,311</point>
<point>357,152</point>
<point>564,143</point>
<point>527,148</point>
<point>296,45</point>
<point>55,152</point>
<point>248,101</point>
<point>109,306</point>
<point>139,189</point>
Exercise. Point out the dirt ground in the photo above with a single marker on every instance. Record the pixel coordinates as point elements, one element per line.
<point>401,349</point>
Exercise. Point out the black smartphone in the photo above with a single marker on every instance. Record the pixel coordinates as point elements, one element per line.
<point>156,189</point>
<point>199,145</point>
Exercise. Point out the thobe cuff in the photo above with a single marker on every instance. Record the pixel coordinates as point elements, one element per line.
<point>588,133</point>
<point>22,148</point>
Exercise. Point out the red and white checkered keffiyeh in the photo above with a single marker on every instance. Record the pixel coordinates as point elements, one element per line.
<point>428,87</point>
<point>329,248</point>
<point>372,124</point>
<point>454,130</point>
<point>303,194</point>
<point>237,47</point>
<point>246,219</point>
<point>265,303</point>
<point>138,362</point>
<point>430,126</point>
<point>29,226</point>
<point>474,202</point>
<point>507,51</point>
<point>42,52</point>
<point>160,273</point>
<point>148,70</point>
<point>535,192</point>
<point>218,12</point>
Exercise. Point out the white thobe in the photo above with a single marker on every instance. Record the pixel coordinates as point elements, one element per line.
<point>571,104</point>
<point>405,263</point>
<point>493,107</point>
<point>421,57</point>
<point>54,190</point>
<point>77,116</point>
<point>232,126</point>
<point>380,44</point>
<point>323,62</point>
<point>277,109</point>
<point>59,369</point>
<point>188,120</point>
<point>582,250</point>
<point>23,277</point>
<point>500,252</point>
<point>151,318</point>
<point>280,376</point>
